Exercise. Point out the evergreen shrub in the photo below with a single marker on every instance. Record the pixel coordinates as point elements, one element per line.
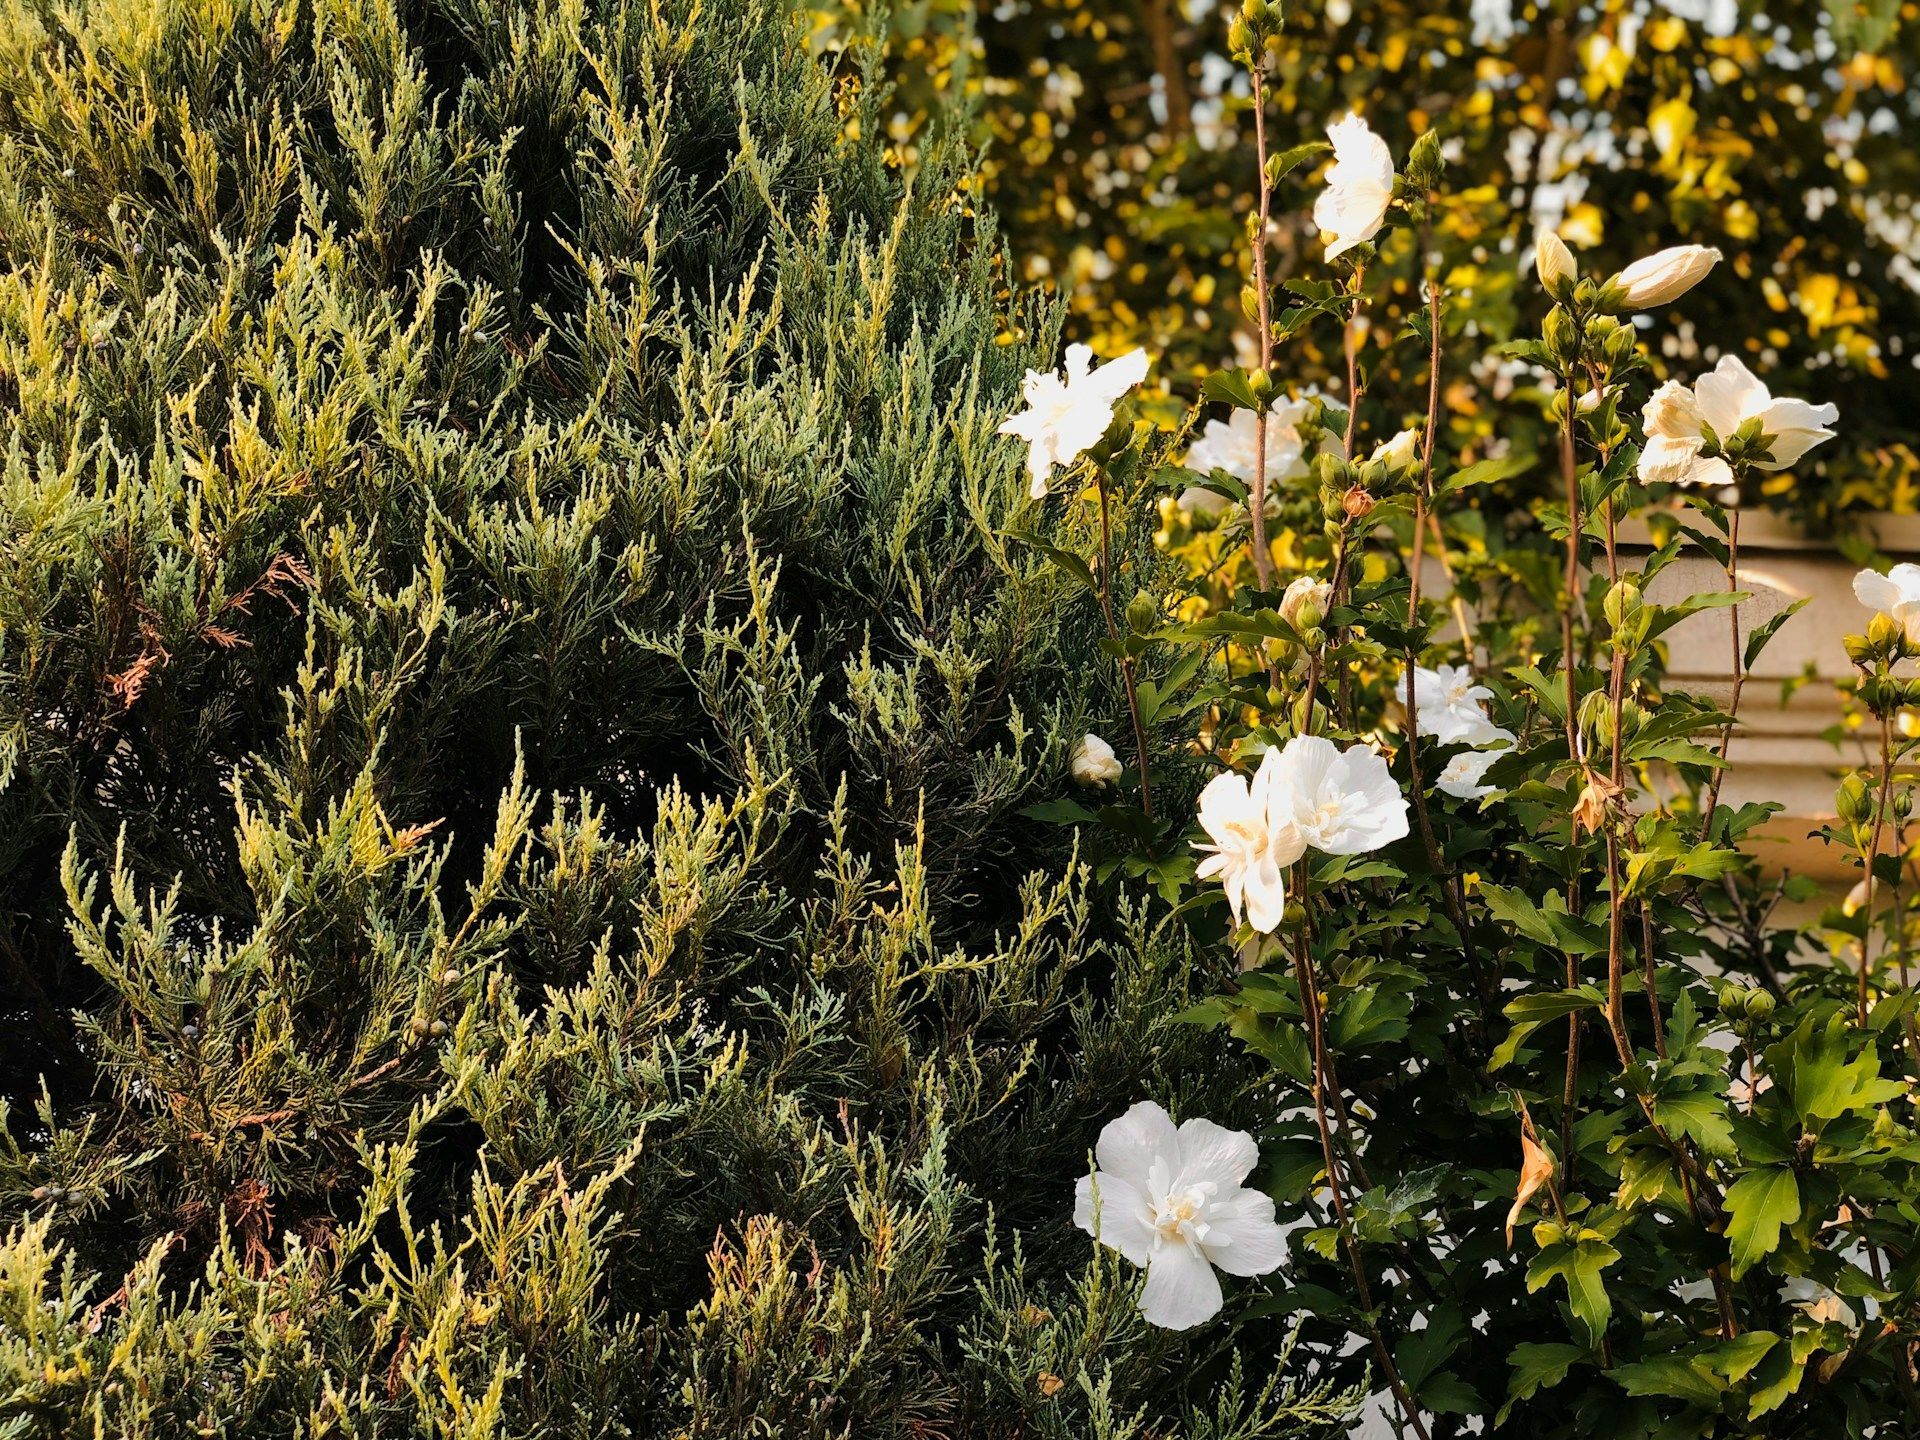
<point>516,701</point>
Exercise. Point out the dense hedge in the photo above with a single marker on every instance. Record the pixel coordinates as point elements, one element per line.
<point>516,700</point>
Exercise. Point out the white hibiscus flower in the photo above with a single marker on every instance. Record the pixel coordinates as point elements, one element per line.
<point>1174,1201</point>
<point>1250,847</point>
<point>1353,207</point>
<point>1895,594</point>
<point>1448,702</point>
<point>1064,418</point>
<point>1340,802</point>
<point>1725,398</point>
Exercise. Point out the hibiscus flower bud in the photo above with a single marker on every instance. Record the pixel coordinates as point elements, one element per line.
<point>1142,613</point>
<point>1398,453</point>
<point>1623,605</point>
<point>1304,605</point>
<point>1356,503</point>
<point>1665,275</point>
<point>1561,336</point>
<point>1094,763</point>
<point>1553,262</point>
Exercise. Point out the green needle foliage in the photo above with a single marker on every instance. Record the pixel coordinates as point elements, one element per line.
<point>516,700</point>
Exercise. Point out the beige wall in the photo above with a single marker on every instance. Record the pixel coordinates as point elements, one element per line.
<point>1779,752</point>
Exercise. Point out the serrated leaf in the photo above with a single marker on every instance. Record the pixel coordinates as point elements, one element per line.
<point>1537,1368</point>
<point>1760,1202</point>
<point>1581,1266</point>
<point>1672,1376</point>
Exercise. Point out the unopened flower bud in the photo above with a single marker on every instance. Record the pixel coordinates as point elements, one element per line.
<point>1553,262</point>
<point>1094,762</point>
<point>1665,275</point>
<point>1853,801</point>
<point>1622,605</point>
<point>1142,613</point>
<point>1304,605</point>
<point>1884,634</point>
<point>1759,1005</point>
<point>1356,503</point>
<point>1561,337</point>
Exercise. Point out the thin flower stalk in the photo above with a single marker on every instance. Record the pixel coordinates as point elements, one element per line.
<point>1119,640</point>
<point>1739,674</point>
<point>1257,498</point>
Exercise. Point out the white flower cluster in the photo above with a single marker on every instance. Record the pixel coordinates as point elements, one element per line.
<point>1309,794</point>
<point>1448,705</point>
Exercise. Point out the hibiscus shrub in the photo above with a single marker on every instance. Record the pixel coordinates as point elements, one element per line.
<point>518,684</point>
<point>1569,1137</point>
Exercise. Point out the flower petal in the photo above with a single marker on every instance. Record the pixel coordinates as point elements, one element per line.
<point>1729,395</point>
<point>1181,1290</point>
<point>1119,375</point>
<point>1119,1221</point>
<point>1879,593</point>
<point>1265,889</point>
<point>1213,1152</point>
<point>1129,1145</point>
<point>1245,1240</point>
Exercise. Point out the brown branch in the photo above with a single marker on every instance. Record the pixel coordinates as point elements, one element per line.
<point>1113,633</point>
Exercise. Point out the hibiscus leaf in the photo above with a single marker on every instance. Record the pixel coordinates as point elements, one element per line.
<point>1536,1368</point>
<point>1757,641</point>
<point>1760,1202</point>
<point>1422,1353</point>
<point>1064,560</point>
<point>1699,1115</point>
<point>1486,472</point>
<point>1579,1265</point>
<point>1287,161</point>
<point>1059,812</point>
<point>1230,387</point>
<point>1670,1375</point>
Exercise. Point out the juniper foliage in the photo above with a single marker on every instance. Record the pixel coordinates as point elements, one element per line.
<point>516,700</point>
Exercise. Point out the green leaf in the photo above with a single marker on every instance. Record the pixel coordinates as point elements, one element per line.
<point>1065,561</point>
<point>1537,1368</point>
<point>1670,1375</point>
<point>1059,812</point>
<point>1287,161</point>
<point>1289,1168</point>
<point>1580,1265</point>
<point>1734,1359</point>
<point>1775,1379</point>
<point>1231,387</point>
<point>1757,641</point>
<point>1447,1394</point>
<point>1486,472</point>
<point>1422,1353</point>
<point>1760,1202</point>
<point>1826,1085</point>
<point>1700,1115</point>
<point>1530,1012</point>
